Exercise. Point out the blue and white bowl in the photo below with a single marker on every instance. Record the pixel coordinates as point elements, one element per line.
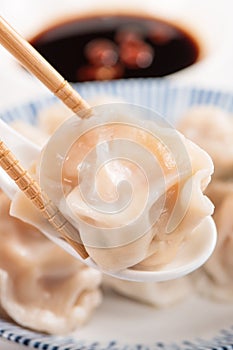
<point>120,323</point>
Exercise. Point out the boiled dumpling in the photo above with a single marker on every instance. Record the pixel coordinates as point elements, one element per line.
<point>120,157</point>
<point>212,128</point>
<point>41,286</point>
<point>220,266</point>
<point>49,119</point>
<point>217,273</point>
<point>47,122</point>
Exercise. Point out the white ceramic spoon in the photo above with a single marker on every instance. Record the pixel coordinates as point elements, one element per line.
<point>197,249</point>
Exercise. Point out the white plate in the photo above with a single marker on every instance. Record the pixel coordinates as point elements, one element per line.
<point>119,323</point>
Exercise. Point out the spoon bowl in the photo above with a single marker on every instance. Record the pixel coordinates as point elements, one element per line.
<point>188,259</point>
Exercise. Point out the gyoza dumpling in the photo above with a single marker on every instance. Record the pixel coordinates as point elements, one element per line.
<point>41,286</point>
<point>167,204</point>
<point>217,278</point>
<point>50,118</point>
<point>160,294</point>
<point>47,122</point>
<point>212,129</point>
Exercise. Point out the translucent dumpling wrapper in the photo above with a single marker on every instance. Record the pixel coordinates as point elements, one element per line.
<point>212,129</point>
<point>132,186</point>
<point>41,286</point>
<point>48,120</point>
<point>217,274</point>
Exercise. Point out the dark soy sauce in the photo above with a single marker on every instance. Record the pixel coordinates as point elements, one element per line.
<point>113,47</point>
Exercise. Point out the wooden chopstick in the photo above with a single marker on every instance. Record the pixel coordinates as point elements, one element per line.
<point>38,66</point>
<point>32,190</point>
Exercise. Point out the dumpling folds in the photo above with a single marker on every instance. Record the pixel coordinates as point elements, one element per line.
<point>41,286</point>
<point>186,173</point>
<point>212,129</point>
<point>217,278</point>
<point>47,122</point>
<point>166,214</point>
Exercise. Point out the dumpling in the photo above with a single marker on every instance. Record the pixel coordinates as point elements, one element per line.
<point>212,129</point>
<point>47,122</point>
<point>217,273</point>
<point>41,286</point>
<point>135,197</point>
<point>50,118</point>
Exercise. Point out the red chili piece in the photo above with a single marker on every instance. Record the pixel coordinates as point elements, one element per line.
<point>136,54</point>
<point>162,34</point>
<point>102,52</point>
<point>86,73</point>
